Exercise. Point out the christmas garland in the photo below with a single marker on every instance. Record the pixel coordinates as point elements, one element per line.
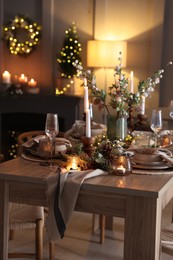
<point>14,32</point>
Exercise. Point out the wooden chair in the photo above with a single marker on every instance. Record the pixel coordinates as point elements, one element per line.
<point>22,138</point>
<point>23,216</point>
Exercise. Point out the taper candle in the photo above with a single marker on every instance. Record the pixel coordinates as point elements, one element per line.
<point>88,124</point>
<point>86,103</point>
<point>131,82</point>
<point>142,105</point>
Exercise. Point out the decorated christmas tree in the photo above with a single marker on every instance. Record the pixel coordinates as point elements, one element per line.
<point>69,53</point>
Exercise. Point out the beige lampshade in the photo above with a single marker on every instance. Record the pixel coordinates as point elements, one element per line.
<point>105,53</point>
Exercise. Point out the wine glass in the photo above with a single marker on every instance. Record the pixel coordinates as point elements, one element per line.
<point>156,123</point>
<point>171,109</point>
<point>51,130</point>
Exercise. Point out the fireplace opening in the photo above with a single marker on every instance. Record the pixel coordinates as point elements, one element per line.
<point>13,124</point>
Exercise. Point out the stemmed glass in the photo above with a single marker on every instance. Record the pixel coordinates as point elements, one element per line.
<point>156,123</point>
<point>51,130</point>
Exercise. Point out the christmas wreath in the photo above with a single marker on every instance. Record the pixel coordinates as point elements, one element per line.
<point>21,35</point>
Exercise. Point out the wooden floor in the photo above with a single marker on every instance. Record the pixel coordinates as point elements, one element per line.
<point>79,242</point>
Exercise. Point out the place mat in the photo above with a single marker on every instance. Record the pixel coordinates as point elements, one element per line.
<point>152,172</point>
<point>151,167</point>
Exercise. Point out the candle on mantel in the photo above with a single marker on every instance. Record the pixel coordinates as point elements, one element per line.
<point>142,105</point>
<point>131,82</point>
<point>32,83</point>
<point>23,79</point>
<point>86,103</point>
<point>6,77</point>
<point>88,124</point>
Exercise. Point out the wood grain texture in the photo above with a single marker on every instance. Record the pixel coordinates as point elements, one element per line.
<point>137,198</point>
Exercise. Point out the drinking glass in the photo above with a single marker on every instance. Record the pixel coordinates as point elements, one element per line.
<point>156,123</point>
<point>51,130</point>
<point>171,109</point>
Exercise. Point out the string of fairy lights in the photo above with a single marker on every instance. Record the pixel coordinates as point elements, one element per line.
<point>69,53</point>
<point>21,42</point>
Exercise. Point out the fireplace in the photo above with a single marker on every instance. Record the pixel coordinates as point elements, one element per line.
<point>28,113</point>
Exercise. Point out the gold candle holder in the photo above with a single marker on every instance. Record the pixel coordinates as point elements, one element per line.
<point>88,145</point>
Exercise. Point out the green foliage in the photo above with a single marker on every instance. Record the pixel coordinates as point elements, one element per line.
<point>121,100</point>
<point>70,52</point>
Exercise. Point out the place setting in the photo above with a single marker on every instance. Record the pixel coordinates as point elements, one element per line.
<point>153,151</point>
<point>46,148</point>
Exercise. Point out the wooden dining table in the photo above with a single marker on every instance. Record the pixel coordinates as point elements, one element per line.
<point>139,199</point>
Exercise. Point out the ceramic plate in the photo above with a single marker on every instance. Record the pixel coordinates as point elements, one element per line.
<point>150,167</point>
<point>149,163</point>
<point>35,152</point>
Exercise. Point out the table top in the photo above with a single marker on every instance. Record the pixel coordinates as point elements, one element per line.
<point>21,170</point>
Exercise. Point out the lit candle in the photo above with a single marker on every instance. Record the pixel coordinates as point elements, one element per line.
<point>6,77</point>
<point>23,79</point>
<point>88,124</point>
<point>73,163</point>
<point>86,103</point>
<point>121,169</point>
<point>142,105</point>
<point>32,83</point>
<point>131,82</point>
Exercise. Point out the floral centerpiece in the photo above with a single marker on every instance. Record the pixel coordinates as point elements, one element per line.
<point>119,101</point>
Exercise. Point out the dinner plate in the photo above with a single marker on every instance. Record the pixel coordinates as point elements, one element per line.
<point>156,163</point>
<point>32,158</point>
<point>35,152</point>
<point>150,167</point>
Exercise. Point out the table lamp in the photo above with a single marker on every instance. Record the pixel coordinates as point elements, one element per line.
<point>105,54</point>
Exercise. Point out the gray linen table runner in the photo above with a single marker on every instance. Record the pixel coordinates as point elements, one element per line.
<point>62,192</point>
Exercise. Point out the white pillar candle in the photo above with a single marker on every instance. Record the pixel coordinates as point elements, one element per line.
<point>88,124</point>
<point>6,77</point>
<point>86,103</point>
<point>131,82</point>
<point>142,105</point>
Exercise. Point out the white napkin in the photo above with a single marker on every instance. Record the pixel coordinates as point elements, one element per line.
<point>166,155</point>
<point>63,189</point>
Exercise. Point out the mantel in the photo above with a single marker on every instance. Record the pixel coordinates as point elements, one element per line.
<point>65,106</point>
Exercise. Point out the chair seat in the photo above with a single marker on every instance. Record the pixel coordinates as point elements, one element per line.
<point>23,216</point>
<point>167,236</point>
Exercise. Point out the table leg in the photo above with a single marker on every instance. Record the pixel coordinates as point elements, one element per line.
<point>4,219</point>
<point>142,228</point>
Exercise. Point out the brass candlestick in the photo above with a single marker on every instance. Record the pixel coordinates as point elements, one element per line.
<point>88,145</point>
